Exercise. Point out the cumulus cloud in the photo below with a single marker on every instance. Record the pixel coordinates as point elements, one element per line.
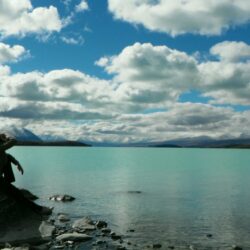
<point>181,121</point>
<point>231,51</point>
<point>58,85</point>
<point>179,17</point>
<point>18,17</point>
<point>13,108</point>
<point>143,78</point>
<point>226,82</point>
<point>4,70</point>
<point>151,74</point>
<point>82,6</point>
<point>10,54</point>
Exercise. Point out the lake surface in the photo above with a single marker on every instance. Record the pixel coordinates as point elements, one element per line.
<point>186,193</point>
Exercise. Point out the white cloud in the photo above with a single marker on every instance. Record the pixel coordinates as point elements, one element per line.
<point>18,17</point>
<point>147,74</point>
<point>79,40</point>
<point>231,51</point>
<point>4,70</point>
<point>226,82</point>
<point>36,110</point>
<point>143,78</point>
<point>58,85</point>
<point>82,6</point>
<point>177,17</point>
<point>181,121</point>
<point>10,54</point>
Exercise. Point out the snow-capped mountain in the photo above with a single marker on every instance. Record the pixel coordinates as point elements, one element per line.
<point>21,134</point>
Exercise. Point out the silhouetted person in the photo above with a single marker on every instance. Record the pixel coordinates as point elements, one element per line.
<point>7,176</point>
<point>7,170</point>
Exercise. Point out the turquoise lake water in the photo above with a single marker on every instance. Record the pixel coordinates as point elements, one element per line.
<point>186,193</point>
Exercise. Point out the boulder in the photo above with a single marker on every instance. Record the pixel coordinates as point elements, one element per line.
<point>47,230</point>
<point>19,224</point>
<point>28,195</point>
<point>84,224</point>
<point>73,237</point>
<point>62,197</point>
<point>63,217</point>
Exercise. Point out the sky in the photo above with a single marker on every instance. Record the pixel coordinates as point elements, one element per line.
<point>117,71</point>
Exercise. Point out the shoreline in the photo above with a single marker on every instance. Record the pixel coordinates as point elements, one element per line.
<point>61,231</point>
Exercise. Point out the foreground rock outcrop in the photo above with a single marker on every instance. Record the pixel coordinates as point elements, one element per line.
<point>19,224</point>
<point>21,228</point>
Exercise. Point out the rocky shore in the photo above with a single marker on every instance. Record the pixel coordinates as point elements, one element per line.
<point>22,229</point>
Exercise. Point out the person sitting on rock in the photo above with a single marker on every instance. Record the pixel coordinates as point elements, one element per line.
<point>7,170</point>
<point>5,144</point>
<point>7,177</point>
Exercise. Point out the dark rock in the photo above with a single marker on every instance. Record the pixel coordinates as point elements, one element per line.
<point>99,242</point>
<point>157,245</point>
<point>106,230</point>
<point>116,237</point>
<point>40,247</point>
<point>234,247</point>
<point>121,248</point>
<point>18,222</point>
<point>134,192</point>
<point>131,231</point>
<point>101,224</point>
<point>171,247</point>
<point>28,195</point>
<point>209,235</point>
<point>63,198</point>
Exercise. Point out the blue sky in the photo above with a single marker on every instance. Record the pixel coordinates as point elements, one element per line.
<point>107,71</point>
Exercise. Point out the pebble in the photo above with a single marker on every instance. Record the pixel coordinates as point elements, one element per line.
<point>157,245</point>
<point>99,242</point>
<point>106,230</point>
<point>116,237</point>
<point>73,237</point>
<point>101,224</point>
<point>234,247</point>
<point>63,217</point>
<point>192,247</point>
<point>121,248</point>
<point>58,247</point>
<point>209,235</point>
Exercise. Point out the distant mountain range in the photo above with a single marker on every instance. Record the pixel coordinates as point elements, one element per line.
<point>204,142</point>
<point>28,138</point>
<point>22,134</point>
<point>25,137</point>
